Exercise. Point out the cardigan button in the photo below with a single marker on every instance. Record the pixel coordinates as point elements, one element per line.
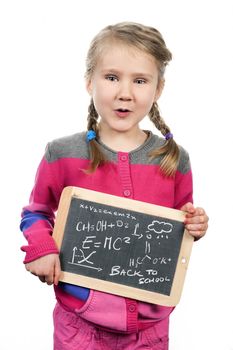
<point>124,157</point>
<point>127,193</point>
<point>131,308</point>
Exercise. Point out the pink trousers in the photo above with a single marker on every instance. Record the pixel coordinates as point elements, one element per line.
<point>71,332</point>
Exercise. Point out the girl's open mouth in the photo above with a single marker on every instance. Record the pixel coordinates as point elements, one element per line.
<point>122,112</point>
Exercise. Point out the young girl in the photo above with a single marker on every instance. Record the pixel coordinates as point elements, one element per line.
<point>125,77</point>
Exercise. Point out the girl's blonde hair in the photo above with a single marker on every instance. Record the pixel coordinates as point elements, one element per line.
<point>148,40</point>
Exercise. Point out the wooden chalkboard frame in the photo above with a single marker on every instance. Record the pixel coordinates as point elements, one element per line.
<point>129,204</point>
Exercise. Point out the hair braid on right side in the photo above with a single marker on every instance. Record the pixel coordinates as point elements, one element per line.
<point>96,156</point>
<point>170,150</point>
<point>92,118</point>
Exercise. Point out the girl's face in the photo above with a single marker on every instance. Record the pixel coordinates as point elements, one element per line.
<point>124,86</point>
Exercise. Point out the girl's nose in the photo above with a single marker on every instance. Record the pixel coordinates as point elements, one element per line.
<point>125,92</point>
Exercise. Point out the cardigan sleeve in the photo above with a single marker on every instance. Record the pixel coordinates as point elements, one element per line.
<point>183,181</point>
<point>38,216</point>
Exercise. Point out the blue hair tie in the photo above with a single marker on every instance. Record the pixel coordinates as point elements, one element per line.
<point>90,135</point>
<point>168,136</point>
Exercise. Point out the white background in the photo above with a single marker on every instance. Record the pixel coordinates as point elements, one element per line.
<point>43,47</point>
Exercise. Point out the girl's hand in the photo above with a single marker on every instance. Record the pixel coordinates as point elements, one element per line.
<point>196,220</point>
<point>47,268</point>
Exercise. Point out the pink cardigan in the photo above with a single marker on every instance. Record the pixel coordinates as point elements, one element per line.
<point>130,175</point>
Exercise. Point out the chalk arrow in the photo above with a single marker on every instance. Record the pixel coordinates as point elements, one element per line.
<point>89,267</point>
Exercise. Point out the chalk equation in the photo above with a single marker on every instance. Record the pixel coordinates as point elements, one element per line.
<point>121,246</point>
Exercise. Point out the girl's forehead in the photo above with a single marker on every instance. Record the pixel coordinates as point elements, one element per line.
<point>118,53</point>
<point>121,48</point>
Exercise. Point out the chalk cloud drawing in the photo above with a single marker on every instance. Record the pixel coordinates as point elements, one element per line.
<point>161,228</point>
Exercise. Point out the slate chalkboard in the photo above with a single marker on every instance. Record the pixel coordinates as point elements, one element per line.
<point>120,247</point>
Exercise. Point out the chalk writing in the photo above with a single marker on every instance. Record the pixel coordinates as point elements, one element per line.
<point>121,246</point>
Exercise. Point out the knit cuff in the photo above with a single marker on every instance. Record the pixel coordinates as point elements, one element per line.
<point>36,251</point>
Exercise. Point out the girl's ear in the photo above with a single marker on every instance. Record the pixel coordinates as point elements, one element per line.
<point>159,89</point>
<point>89,86</point>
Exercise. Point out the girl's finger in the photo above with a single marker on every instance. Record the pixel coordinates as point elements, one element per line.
<point>42,278</point>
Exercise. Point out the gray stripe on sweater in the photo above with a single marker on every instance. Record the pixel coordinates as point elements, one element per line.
<point>75,146</point>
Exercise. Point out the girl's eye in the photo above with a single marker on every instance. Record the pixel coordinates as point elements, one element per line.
<point>140,81</point>
<point>111,77</point>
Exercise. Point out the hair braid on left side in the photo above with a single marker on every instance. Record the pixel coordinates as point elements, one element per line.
<point>157,120</point>
<point>170,150</point>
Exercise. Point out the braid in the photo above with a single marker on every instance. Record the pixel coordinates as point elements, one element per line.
<point>92,118</point>
<point>96,156</point>
<point>170,149</point>
<point>157,120</point>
